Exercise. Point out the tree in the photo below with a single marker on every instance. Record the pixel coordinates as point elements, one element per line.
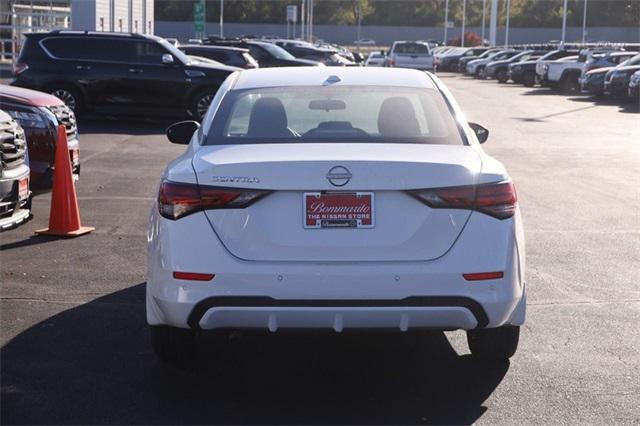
<point>524,13</point>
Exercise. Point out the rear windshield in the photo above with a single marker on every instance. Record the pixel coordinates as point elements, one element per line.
<point>334,114</point>
<point>413,48</point>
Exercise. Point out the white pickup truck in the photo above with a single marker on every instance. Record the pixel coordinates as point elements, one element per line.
<point>410,54</point>
<point>557,74</point>
<point>564,74</point>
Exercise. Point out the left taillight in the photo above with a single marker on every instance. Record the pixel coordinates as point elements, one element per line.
<point>496,199</point>
<point>176,200</point>
<point>19,68</point>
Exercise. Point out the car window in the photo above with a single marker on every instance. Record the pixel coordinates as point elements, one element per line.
<point>334,114</point>
<point>85,48</point>
<point>143,52</point>
<point>410,48</point>
<point>277,52</point>
<point>258,53</point>
<point>216,55</point>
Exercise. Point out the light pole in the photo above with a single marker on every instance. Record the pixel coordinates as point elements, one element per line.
<point>484,12</point>
<point>584,23</point>
<point>359,20</point>
<point>564,23</point>
<point>310,24</point>
<point>493,24</point>
<point>446,20</point>
<point>221,18</point>
<point>464,17</point>
<point>302,19</point>
<point>506,34</point>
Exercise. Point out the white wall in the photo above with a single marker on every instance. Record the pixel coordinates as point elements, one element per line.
<point>121,15</point>
<point>151,25</point>
<point>103,15</point>
<point>95,15</point>
<point>136,16</point>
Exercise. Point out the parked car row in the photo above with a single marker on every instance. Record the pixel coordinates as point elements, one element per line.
<point>137,74</point>
<point>605,70</point>
<point>29,123</point>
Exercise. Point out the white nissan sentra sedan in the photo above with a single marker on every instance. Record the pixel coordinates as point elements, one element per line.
<point>337,199</point>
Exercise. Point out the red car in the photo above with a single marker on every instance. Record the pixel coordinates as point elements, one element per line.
<point>39,114</point>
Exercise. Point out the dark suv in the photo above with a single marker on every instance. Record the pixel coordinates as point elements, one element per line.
<point>233,56</point>
<point>119,72</point>
<point>267,54</point>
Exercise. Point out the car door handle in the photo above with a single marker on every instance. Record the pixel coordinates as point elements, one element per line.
<point>135,70</point>
<point>83,67</point>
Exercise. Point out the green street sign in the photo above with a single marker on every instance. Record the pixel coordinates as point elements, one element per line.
<point>198,16</point>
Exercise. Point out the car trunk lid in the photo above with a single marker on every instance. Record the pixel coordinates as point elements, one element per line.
<point>275,227</point>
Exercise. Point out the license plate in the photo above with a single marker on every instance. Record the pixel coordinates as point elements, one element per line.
<point>338,210</point>
<point>23,189</point>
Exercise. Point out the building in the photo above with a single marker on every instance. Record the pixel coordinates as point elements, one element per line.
<point>113,15</point>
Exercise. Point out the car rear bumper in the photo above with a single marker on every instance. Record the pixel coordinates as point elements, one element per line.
<point>516,76</point>
<point>272,314</point>
<point>335,295</point>
<point>591,86</point>
<point>490,72</point>
<point>616,88</point>
<point>422,67</point>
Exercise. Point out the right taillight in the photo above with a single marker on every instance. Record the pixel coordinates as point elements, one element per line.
<point>176,200</point>
<point>495,199</point>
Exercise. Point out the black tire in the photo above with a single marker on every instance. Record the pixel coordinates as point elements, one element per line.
<point>494,343</point>
<point>480,73</point>
<point>502,77</point>
<point>529,79</point>
<point>568,84</point>
<point>172,344</point>
<point>69,95</point>
<point>200,103</point>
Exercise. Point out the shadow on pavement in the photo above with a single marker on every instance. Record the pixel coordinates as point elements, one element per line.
<point>124,125</point>
<point>30,241</point>
<point>92,364</point>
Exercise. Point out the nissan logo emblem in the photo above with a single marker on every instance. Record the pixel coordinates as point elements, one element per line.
<point>339,176</point>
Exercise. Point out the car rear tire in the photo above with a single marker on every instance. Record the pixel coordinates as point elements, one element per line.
<point>502,77</point>
<point>201,102</point>
<point>69,95</point>
<point>529,79</point>
<point>480,73</point>
<point>172,344</point>
<point>494,343</point>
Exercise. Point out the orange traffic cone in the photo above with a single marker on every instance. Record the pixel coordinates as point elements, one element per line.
<point>64,217</point>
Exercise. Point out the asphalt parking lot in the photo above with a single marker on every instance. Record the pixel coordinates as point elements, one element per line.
<point>75,346</point>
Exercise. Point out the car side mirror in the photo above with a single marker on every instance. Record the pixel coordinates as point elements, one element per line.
<point>481,133</point>
<point>167,59</point>
<point>181,132</point>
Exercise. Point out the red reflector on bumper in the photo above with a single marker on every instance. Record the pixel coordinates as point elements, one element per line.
<point>483,276</point>
<point>192,276</point>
